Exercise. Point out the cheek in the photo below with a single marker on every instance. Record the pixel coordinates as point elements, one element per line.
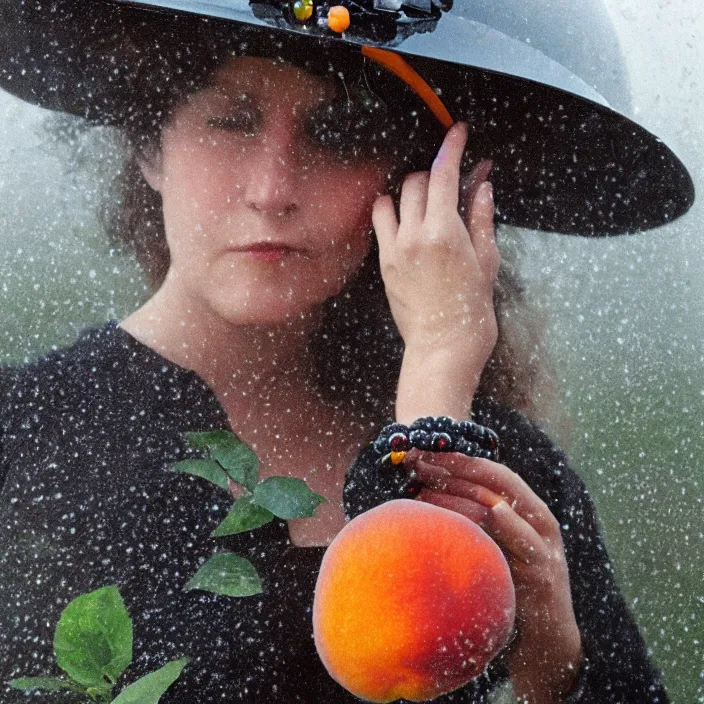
<point>347,209</point>
<point>195,176</point>
<point>345,206</point>
<point>195,190</point>
<point>346,225</point>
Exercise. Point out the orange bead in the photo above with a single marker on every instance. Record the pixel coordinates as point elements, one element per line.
<point>397,457</point>
<point>338,18</point>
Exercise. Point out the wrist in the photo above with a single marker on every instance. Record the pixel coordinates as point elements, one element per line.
<point>470,343</point>
<point>437,382</point>
<point>545,676</point>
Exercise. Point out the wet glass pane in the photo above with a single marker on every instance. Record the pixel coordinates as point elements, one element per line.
<point>273,322</point>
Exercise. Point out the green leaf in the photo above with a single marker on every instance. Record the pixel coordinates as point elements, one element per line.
<point>227,574</point>
<point>93,639</point>
<point>287,497</point>
<point>206,469</point>
<point>50,684</point>
<point>101,693</point>
<point>148,689</point>
<point>238,460</point>
<point>244,515</point>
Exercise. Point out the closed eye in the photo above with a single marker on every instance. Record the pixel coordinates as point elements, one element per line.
<point>349,128</point>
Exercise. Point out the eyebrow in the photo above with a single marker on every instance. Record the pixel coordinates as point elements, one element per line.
<point>247,97</point>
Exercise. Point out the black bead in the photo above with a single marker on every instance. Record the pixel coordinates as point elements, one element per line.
<point>423,440</point>
<point>398,442</point>
<point>472,449</point>
<point>461,445</point>
<point>443,424</point>
<point>427,424</point>
<point>441,442</point>
<point>417,438</point>
<point>380,445</point>
<point>393,428</point>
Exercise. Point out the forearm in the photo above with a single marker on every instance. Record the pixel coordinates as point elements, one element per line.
<point>437,382</point>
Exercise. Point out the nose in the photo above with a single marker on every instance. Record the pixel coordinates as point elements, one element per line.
<point>272,187</point>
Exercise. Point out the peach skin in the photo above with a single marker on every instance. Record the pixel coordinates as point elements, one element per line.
<point>412,601</point>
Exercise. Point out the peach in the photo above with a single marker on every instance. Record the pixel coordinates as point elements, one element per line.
<point>412,601</point>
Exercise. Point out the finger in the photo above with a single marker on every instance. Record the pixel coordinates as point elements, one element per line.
<point>469,186</point>
<point>499,479</point>
<point>414,197</point>
<point>515,535</point>
<point>469,509</point>
<point>385,223</point>
<point>444,184</point>
<point>517,538</point>
<point>482,233</point>
<point>448,484</point>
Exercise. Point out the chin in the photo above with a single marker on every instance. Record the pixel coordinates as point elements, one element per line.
<point>265,309</point>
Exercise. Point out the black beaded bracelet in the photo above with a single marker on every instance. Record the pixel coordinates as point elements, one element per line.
<point>441,434</point>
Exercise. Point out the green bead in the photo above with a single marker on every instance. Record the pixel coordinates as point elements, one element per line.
<point>303,10</point>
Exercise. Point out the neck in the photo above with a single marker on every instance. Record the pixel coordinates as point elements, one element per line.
<point>248,367</point>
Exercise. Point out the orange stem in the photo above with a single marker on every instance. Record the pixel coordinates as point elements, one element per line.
<point>401,68</point>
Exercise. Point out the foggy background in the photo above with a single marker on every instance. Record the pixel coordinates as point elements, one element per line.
<point>627,332</point>
<point>625,326</point>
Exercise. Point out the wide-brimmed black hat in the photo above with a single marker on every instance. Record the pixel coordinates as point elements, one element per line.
<point>540,82</point>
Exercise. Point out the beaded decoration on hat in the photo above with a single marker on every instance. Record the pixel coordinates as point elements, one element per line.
<point>382,21</point>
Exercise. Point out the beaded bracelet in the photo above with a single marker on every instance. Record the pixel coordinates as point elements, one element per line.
<point>441,434</point>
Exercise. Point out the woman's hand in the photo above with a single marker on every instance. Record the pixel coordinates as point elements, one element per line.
<point>439,272</point>
<point>544,660</point>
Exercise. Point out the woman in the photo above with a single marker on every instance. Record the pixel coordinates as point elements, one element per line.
<point>267,189</point>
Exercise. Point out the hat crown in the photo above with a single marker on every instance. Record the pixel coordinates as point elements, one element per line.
<point>579,36</point>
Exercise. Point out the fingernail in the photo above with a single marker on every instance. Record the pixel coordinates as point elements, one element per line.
<point>442,153</point>
<point>482,170</point>
<point>501,505</point>
<point>488,498</point>
<point>485,195</point>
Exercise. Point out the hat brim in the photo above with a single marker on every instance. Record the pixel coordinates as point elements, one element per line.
<point>564,161</point>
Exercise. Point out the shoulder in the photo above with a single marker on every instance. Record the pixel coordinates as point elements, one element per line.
<point>105,380</point>
<point>101,376</point>
<point>33,395</point>
<point>521,440</point>
<point>8,384</point>
<point>49,378</point>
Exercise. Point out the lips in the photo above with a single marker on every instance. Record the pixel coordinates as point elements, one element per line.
<point>271,251</point>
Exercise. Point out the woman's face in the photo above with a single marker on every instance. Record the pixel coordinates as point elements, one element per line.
<point>262,222</point>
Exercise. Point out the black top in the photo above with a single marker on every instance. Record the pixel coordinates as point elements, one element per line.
<point>87,435</point>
